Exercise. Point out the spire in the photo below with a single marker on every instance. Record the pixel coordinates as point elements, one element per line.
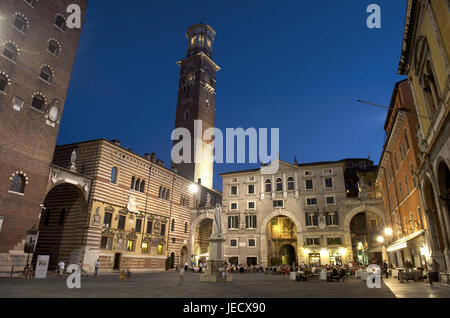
<point>295,160</point>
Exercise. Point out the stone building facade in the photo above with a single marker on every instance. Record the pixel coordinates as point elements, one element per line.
<point>425,60</point>
<point>37,53</point>
<point>135,214</point>
<point>300,214</point>
<point>409,241</point>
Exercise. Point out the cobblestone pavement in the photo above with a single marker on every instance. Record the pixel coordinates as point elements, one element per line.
<point>419,289</point>
<point>167,284</point>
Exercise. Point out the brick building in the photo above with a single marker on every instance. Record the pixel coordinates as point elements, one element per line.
<point>37,53</point>
<point>396,175</point>
<point>196,101</point>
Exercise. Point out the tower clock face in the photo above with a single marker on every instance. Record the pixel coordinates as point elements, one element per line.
<point>53,113</point>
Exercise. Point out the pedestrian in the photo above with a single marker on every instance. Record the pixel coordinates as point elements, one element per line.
<point>61,267</point>
<point>97,264</point>
<point>433,275</point>
<point>186,267</point>
<point>128,274</point>
<point>385,268</point>
<point>181,275</point>
<point>122,275</point>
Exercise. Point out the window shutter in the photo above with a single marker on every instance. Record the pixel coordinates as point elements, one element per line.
<point>247,222</point>
<point>327,218</point>
<point>307,219</point>
<point>336,216</point>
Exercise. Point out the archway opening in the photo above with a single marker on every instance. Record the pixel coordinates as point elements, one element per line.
<point>61,231</point>
<point>201,240</point>
<point>184,256</point>
<point>282,241</point>
<point>172,260</point>
<point>364,229</point>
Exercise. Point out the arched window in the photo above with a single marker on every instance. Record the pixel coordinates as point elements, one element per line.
<point>268,185</point>
<point>10,51</point>
<point>160,192</point>
<point>291,183</point>
<point>396,162</point>
<point>142,189</point>
<point>405,136</point>
<point>38,101</point>
<point>138,183</point>
<point>430,89</point>
<point>133,180</point>
<point>186,115</point>
<point>46,74</point>
<point>406,185</point>
<point>114,175</point>
<point>172,226</point>
<point>163,193</point>
<point>60,22</point>
<point>412,175</point>
<point>17,184</point>
<point>401,149</point>
<point>20,22</point>
<point>54,47</point>
<point>185,227</point>
<point>279,184</point>
<point>167,195</point>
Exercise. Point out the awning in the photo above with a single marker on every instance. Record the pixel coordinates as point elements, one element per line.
<point>401,243</point>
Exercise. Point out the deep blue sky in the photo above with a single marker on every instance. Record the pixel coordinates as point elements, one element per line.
<point>296,65</point>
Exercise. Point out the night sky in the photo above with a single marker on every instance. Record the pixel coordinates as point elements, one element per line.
<point>295,65</point>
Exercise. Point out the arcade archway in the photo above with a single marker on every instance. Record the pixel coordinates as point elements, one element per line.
<point>281,241</point>
<point>62,224</point>
<point>202,233</point>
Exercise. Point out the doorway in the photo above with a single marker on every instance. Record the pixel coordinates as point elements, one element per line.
<point>116,261</point>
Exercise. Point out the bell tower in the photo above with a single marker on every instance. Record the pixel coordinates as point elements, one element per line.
<point>196,99</point>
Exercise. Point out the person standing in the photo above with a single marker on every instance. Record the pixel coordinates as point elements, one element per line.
<point>385,268</point>
<point>181,274</point>
<point>61,267</point>
<point>97,264</point>
<point>186,267</point>
<point>433,275</point>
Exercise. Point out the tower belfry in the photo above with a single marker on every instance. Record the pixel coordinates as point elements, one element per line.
<point>196,99</point>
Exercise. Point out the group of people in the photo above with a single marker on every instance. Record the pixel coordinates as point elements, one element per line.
<point>62,266</point>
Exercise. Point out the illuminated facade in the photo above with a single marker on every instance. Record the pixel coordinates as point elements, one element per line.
<point>425,60</point>
<point>196,101</point>
<point>301,214</point>
<point>409,241</point>
<point>134,214</point>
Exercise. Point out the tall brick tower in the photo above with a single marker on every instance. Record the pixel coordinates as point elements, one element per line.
<point>37,53</point>
<point>196,98</point>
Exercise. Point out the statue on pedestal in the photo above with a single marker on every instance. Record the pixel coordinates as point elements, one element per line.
<point>216,249</point>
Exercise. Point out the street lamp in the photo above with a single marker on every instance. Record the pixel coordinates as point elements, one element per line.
<point>388,231</point>
<point>380,239</point>
<point>193,188</point>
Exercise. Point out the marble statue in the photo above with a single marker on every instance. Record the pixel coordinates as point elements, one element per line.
<point>217,225</point>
